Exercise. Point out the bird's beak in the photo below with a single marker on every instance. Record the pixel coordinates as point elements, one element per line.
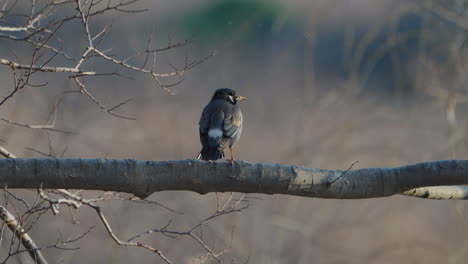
<point>241,98</point>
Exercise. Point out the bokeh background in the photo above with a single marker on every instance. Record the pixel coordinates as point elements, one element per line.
<point>329,83</point>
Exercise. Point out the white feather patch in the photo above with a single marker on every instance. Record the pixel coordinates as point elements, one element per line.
<point>215,133</point>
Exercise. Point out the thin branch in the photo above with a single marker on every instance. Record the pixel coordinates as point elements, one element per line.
<point>109,228</point>
<point>5,153</point>
<point>43,127</point>
<point>23,237</point>
<point>45,68</point>
<point>96,101</point>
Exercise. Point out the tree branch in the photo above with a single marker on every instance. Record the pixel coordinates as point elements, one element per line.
<point>440,192</point>
<point>142,178</point>
<point>22,236</point>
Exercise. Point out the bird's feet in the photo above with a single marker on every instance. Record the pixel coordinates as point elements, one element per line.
<point>231,160</point>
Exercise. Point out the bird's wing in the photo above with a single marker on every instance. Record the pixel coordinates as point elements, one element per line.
<point>232,124</point>
<point>204,126</point>
<point>211,126</point>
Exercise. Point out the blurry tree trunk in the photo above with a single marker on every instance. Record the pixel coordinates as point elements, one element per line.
<point>142,178</point>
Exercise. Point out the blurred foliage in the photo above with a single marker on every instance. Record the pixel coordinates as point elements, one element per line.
<point>458,6</point>
<point>381,56</point>
<point>238,22</point>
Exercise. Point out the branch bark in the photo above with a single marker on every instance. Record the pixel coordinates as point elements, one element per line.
<point>142,178</point>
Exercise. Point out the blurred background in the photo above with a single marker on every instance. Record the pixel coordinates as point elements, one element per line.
<point>329,83</point>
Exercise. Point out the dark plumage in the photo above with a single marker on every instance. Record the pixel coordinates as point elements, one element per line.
<point>220,124</point>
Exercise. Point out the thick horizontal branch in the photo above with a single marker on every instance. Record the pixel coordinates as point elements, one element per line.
<point>142,178</point>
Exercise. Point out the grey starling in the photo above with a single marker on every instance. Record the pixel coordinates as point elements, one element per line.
<point>220,124</point>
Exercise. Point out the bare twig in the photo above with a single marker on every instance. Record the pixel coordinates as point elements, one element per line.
<point>334,179</point>
<point>7,154</point>
<point>43,127</point>
<point>23,237</point>
<point>109,229</point>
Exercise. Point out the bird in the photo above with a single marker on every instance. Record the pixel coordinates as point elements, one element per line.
<point>220,125</point>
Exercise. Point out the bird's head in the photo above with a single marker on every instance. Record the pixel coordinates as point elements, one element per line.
<point>228,95</point>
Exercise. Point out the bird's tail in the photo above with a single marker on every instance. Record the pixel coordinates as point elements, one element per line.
<point>210,154</point>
